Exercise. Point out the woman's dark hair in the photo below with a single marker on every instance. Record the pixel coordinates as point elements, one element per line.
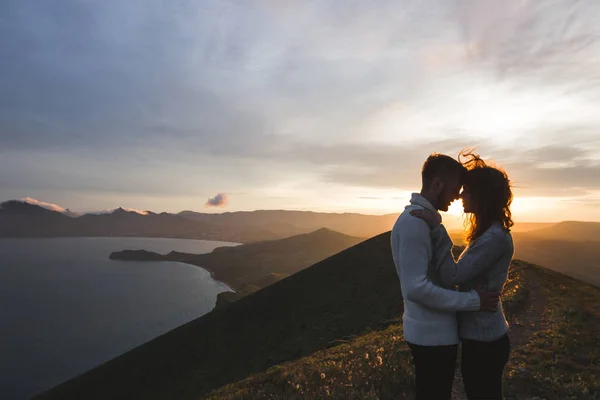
<point>491,195</point>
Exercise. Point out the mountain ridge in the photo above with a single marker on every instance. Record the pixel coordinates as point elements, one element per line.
<point>240,226</point>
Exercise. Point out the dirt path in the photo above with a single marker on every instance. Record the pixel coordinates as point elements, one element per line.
<point>522,324</point>
<point>532,318</point>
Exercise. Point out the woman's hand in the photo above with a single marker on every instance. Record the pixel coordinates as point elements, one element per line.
<point>433,219</point>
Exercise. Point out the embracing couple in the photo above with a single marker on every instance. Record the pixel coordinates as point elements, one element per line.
<point>437,317</point>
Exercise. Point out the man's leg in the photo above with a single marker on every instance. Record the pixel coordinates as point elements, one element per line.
<point>434,371</point>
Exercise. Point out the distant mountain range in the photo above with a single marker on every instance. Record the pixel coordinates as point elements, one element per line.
<point>20,218</point>
<point>569,231</point>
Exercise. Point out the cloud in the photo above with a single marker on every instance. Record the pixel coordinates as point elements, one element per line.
<point>550,42</point>
<point>220,200</point>
<point>141,212</point>
<point>112,210</point>
<point>121,98</point>
<point>47,206</point>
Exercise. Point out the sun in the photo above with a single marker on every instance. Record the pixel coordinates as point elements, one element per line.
<point>456,208</point>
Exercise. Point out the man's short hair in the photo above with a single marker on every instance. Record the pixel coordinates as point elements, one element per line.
<point>441,166</point>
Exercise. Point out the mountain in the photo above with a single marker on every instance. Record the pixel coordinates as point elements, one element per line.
<point>131,223</point>
<point>337,298</point>
<point>250,267</point>
<point>570,231</point>
<point>19,218</point>
<point>240,227</point>
<point>283,223</point>
<point>578,259</point>
<point>22,219</point>
<point>569,247</point>
<point>531,226</point>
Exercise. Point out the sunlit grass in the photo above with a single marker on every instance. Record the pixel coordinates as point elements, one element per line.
<point>561,361</point>
<point>373,366</point>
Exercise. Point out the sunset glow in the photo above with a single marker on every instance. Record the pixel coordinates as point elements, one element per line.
<point>297,106</point>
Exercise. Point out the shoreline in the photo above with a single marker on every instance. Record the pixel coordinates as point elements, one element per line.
<point>168,258</point>
<point>211,273</point>
<point>213,276</point>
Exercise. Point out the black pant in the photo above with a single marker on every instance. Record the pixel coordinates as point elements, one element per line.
<point>434,371</point>
<point>483,366</point>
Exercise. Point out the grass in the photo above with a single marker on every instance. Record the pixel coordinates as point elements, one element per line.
<point>561,361</point>
<point>514,293</point>
<point>373,366</point>
<point>558,362</point>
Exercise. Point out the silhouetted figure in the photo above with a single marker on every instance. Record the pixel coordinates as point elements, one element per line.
<point>430,322</point>
<point>484,264</point>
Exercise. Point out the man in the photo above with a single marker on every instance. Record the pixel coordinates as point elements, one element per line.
<point>430,323</point>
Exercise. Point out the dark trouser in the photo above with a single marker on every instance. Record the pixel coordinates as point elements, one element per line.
<point>482,367</point>
<point>434,371</point>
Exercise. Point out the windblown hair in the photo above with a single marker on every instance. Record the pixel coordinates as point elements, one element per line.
<point>491,195</point>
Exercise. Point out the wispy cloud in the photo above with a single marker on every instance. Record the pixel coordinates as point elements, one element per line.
<point>48,206</point>
<point>141,98</point>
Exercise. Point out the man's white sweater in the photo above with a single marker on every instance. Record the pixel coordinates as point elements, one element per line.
<point>429,310</point>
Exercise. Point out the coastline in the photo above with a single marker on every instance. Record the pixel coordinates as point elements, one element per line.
<point>213,276</point>
<point>172,257</point>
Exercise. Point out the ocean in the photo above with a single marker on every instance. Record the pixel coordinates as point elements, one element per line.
<point>66,308</point>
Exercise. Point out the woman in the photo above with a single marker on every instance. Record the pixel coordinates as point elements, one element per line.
<point>483,265</point>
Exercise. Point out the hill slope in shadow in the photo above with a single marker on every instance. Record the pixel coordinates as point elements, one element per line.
<point>342,296</point>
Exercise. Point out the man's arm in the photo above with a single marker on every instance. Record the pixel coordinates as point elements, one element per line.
<point>478,257</point>
<point>413,261</point>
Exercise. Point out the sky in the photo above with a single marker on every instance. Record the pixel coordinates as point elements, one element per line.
<point>313,105</point>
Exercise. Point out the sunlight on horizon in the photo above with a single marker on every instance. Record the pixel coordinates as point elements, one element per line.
<point>456,208</point>
<point>298,107</point>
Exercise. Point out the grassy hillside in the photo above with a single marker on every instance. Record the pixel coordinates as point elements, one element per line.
<point>376,365</point>
<point>560,357</point>
<point>336,299</point>
<point>555,353</point>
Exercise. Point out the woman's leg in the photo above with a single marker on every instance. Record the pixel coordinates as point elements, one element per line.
<point>434,371</point>
<point>482,367</point>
